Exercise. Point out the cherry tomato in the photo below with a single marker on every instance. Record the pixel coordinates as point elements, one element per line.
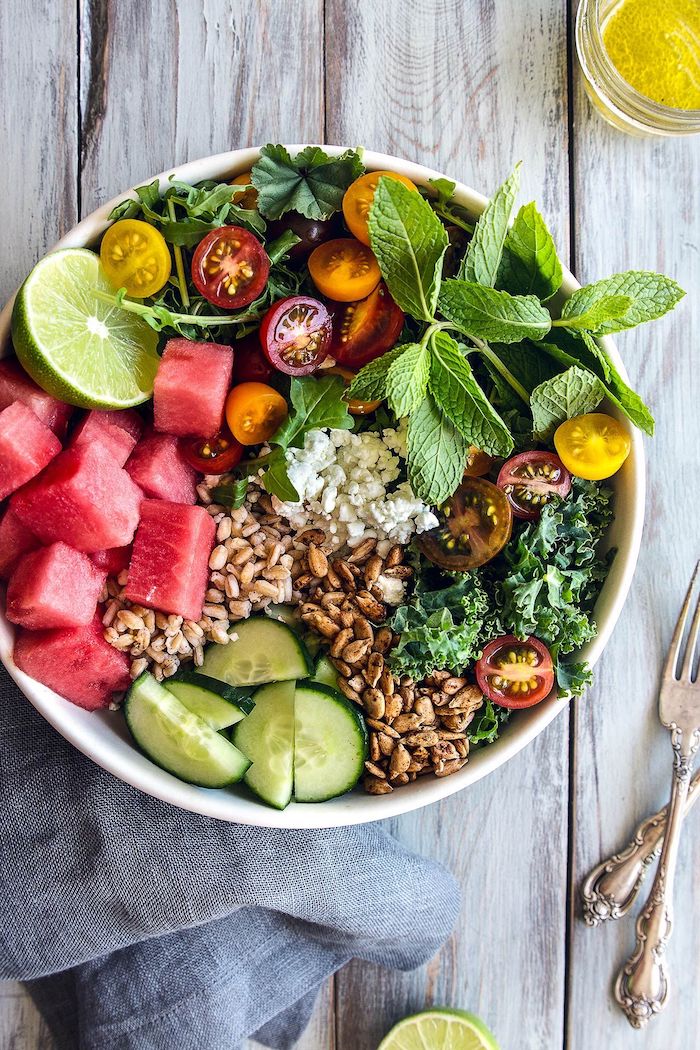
<point>355,408</point>
<point>247,199</point>
<point>358,200</point>
<point>216,455</point>
<point>249,364</point>
<point>311,231</point>
<point>514,673</point>
<point>532,479</point>
<point>593,446</point>
<point>476,523</point>
<point>367,329</point>
<point>254,411</point>
<point>135,256</point>
<point>230,267</point>
<point>295,335</point>
<point>344,269</point>
<point>478,463</point>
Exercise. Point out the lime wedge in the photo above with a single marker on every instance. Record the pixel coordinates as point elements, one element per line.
<point>440,1029</point>
<point>77,348</point>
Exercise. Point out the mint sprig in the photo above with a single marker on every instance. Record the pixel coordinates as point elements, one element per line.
<point>484,253</point>
<point>530,264</point>
<point>571,393</point>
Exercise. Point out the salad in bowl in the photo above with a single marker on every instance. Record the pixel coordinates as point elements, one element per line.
<point>314,466</point>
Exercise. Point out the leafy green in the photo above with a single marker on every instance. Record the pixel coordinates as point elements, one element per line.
<point>652,295</point>
<point>488,724</point>
<point>231,495</point>
<point>446,207</point>
<point>485,313</point>
<point>571,393</point>
<point>607,308</point>
<point>370,383</point>
<point>407,379</point>
<point>484,253</point>
<point>436,453</point>
<point>316,403</point>
<point>312,183</point>
<point>530,264</point>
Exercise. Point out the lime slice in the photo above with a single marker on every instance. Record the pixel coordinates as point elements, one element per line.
<point>77,348</point>
<point>440,1029</point>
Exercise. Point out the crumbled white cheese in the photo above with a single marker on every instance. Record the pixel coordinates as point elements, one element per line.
<point>392,590</point>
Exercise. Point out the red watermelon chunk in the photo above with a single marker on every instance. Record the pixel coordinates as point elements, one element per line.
<point>74,661</point>
<point>83,498</point>
<point>55,586</point>
<point>113,561</point>
<point>15,541</point>
<point>15,385</point>
<point>170,562</point>
<point>191,386</point>
<point>160,471</point>
<point>117,431</point>
<point>26,446</point>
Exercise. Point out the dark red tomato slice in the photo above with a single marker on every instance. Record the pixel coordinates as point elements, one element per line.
<point>514,673</point>
<point>230,267</point>
<point>311,232</point>
<point>365,329</point>
<point>531,479</point>
<point>216,455</point>
<point>475,525</point>
<point>478,463</point>
<point>249,363</point>
<point>295,335</point>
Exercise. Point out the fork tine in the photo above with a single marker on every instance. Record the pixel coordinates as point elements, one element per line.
<point>689,657</point>
<point>675,647</point>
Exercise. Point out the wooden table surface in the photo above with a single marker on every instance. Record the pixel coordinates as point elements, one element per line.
<point>97,95</point>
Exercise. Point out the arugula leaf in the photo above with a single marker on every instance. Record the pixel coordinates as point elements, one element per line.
<point>409,242</point>
<point>530,264</point>
<point>276,479</point>
<point>487,725</point>
<point>484,253</point>
<point>571,393</point>
<point>407,379</point>
<point>608,308</point>
<point>370,382</point>
<point>311,183</point>
<point>436,453</point>
<point>484,313</point>
<point>458,394</point>
<point>444,189</point>
<point>316,403</point>
<point>445,206</point>
<point>231,495</point>
<point>652,294</point>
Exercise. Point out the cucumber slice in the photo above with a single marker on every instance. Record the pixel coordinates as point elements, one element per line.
<point>266,736</point>
<point>330,743</point>
<point>289,614</point>
<point>325,673</point>
<point>264,650</point>
<point>178,740</point>
<point>217,704</point>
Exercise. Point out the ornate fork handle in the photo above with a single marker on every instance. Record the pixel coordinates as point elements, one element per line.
<point>611,888</point>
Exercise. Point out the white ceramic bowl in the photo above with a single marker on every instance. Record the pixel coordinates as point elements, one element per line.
<point>103,736</point>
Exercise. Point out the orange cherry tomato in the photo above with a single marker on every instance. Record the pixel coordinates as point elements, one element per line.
<point>344,269</point>
<point>478,463</point>
<point>254,411</point>
<point>355,408</point>
<point>247,199</point>
<point>358,200</point>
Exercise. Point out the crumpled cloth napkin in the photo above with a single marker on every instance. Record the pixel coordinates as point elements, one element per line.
<point>140,926</point>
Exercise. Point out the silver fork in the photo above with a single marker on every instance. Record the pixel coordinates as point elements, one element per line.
<point>642,985</point>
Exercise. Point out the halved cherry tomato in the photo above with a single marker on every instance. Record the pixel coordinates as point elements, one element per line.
<point>247,199</point>
<point>514,673</point>
<point>311,232</point>
<point>135,256</point>
<point>216,455</point>
<point>254,411</point>
<point>476,523</point>
<point>230,267</point>
<point>358,200</point>
<point>593,446</point>
<point>295,335</point>
<point>367,329</point>
<point>531,480</point>
<point>249,363</point>
<point>478,463</point>
<point>344,269</point>
<point>355,408</point>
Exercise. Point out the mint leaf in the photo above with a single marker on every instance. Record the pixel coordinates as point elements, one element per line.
<point>530,264</point>
<point>458,394</point>
<point>316,403</point>
<point>311,183</point>
<point>409,242</point>
<point>484,313</point>
<point>652,294</point>
<point>370,382</point>
<point>486,247</point>
<point>572,393</point>
<point>407,379</point>
<point>608,308</point>
<point>437,453</point>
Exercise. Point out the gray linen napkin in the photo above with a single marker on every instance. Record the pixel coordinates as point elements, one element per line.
<point>142,927</point>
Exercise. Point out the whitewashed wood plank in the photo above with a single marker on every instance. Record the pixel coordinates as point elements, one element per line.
<point>470,89</point>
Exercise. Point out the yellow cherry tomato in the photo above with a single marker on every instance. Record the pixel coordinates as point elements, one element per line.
<point>358,200</point>
<point>135,256</point>
<point>254,411</point>
<point>355,408</point>
<point>593,446</point>
<point>344,269</point>
<point>247,199</point>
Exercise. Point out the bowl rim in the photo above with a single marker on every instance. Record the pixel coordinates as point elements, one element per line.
<point>121,758</point>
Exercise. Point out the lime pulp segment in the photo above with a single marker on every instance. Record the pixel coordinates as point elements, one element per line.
<point>440,1029</point>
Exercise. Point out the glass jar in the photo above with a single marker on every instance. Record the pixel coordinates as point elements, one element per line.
<point>616,100</point>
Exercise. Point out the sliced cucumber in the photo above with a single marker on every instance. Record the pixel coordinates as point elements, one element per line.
<point>325,673</point>
<point>289,614</point>
<point>264,650</point>
<point>217,704</point>
<point>178,740</point>
<point>330,743</point>
<point>266,736</point>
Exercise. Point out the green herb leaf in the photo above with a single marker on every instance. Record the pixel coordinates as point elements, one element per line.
<point>652,295</point>
<point>530,264</point>
<point>370,382</point>
<point>484,313</point>
<point>486,247</point>
<point>409,242</point>
<point>316,403</point>
<point>407,379</point>
<point>572,393</point>
<point>437,453</point>
<point>487,724</point>
<point>607,308</point>
<point>231,495</point>
<point>276,479</point>
<point>444,189</point>
<point>277,249</point>
<point>312,183</point>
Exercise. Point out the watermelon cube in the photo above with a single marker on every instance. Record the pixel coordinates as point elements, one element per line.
<point>191,385</point>
<point>26,446</point>
<point>74,661</point>
<point>15,385</point>
<point>160,471</point>
<point>113,561</point>
<point>83,498</point>
<point>15,541</point>
<point>117,431</point>
<point>55,586</point>
<point>169,565</point>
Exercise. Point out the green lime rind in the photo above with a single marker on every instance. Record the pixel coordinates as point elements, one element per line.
<point>76,347</point>
<point>440,1028</point>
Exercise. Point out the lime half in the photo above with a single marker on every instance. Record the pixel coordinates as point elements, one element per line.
<point>440,1029</point>
<point>77,348</point>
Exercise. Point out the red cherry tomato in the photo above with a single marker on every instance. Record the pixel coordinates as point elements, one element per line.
<point>216,455</point>
<point>230,267</point>
<point>532,479</point>
<point>514,673</point>
<point>475,524</point>
<point>365,329</point>
<point>295,335</point>
<point>249,363</point>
